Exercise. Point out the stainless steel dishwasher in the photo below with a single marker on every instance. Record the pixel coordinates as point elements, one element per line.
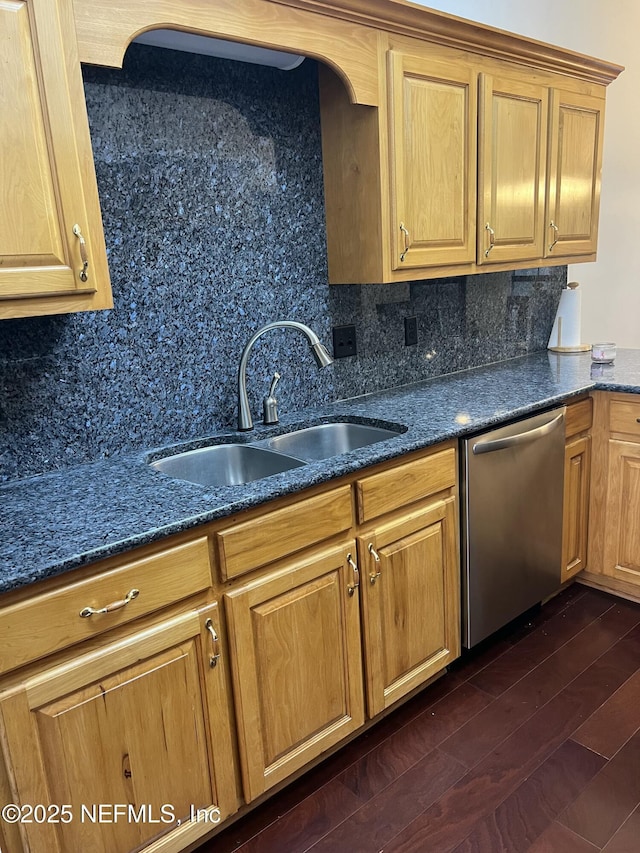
<point>512,484</point>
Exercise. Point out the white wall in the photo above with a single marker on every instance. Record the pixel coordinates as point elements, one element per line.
<point>611,285</point>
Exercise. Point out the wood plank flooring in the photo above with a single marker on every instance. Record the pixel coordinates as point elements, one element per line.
<point>531,742</point>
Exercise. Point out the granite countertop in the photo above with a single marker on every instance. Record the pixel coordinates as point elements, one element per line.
<point>58,521</point>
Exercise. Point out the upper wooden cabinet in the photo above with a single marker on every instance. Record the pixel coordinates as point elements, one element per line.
<point>511,185</point>
<point>406,196</point>
<point>540,159</point>
<point>400,184</point>
<point>575,163</point>
<point>433,151</point>
<point>52,251</point>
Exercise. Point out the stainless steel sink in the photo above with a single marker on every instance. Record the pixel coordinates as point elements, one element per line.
<point>326,440</point>
<point>234,464</point>
<point>225,464</point>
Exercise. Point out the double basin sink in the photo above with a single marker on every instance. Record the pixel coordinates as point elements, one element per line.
<point>235,463</point>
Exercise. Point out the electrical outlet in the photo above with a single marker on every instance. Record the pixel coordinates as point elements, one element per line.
<point>410,331</point>
<point>344,341</point>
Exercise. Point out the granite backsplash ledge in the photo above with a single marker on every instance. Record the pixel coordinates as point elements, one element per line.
<point>210,181</point>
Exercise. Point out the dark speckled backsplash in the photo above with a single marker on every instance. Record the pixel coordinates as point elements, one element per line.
<point>210,179</point>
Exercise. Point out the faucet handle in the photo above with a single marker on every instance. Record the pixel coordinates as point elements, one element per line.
<point>270,404</point>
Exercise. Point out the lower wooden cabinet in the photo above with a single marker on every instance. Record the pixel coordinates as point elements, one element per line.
<point>130,739</point>
<point>410,594</point>
<point>614,508</point>
<point>577,477</point>
<point>337,604</point>
<point>297,639</point>
<point>577,484</point>
<point>136,715</point>
<point>296,662</point>
<point>622,531</point>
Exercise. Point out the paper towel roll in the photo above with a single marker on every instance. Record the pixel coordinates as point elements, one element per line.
<point>565,334</point>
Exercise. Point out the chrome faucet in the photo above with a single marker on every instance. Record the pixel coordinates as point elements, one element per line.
<point>319,352</point>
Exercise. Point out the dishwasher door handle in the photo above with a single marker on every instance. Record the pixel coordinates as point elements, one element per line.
<point>520,438</point>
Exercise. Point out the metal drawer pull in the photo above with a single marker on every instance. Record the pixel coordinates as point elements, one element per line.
<point>406,241</point>
<point>492,239</point>
<point>351,588</point>
<point>213,659</point>
<point>556,233</point>
<point>109,608</point>
<point>374,577</point>
<point>83,253</point>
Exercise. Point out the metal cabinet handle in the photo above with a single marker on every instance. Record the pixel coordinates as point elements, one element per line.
<point>492,239</point>
<point>215,643</point>
<point>407,241</point>
<point>83,253</point>
<point>556,234</point>
<point>109,608</point>
<point>351,588</point>
<point>374,577</point>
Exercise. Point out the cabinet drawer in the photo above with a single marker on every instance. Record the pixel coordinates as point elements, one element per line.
<point>52,621</point>
<point>579,417</point>
<point>624,416</point>
<point>273,535</point>
<point>405,484</point>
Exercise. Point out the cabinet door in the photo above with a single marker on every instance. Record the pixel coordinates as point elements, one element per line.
<point>622,527</point>
<point>577,467</point>
<point>124,728</point>
<point>512,169</point>
<point>411,598</point>
<point>296,665</point>
<point>575,166</point>
<point>49,212</point>
<point>433,161</point>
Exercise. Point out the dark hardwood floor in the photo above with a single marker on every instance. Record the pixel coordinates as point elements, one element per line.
<point>530,742</point>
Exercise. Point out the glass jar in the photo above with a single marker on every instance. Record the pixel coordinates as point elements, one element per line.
<point>603,353</point>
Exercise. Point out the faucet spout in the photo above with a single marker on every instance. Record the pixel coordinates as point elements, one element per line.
<point>318,350</point>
